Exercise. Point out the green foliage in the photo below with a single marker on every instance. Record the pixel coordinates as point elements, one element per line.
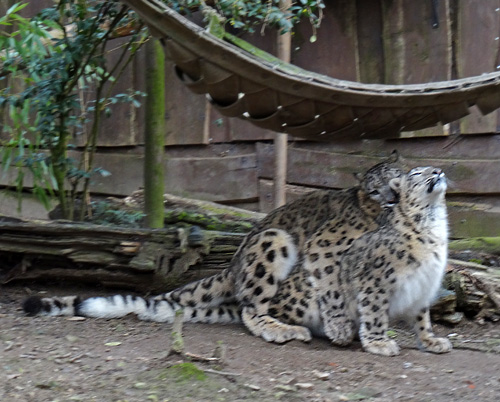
<point>249,14</point>
<point>104,213</point>
<point>51,63</point>
<point>57,83</point>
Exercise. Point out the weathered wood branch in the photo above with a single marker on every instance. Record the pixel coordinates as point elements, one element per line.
<point>477,289</point>
<point>179,211</point>
<point>206,214</point>
<point>139,259</point>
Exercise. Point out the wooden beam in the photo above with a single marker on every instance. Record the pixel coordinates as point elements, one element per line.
<point>284,43</point>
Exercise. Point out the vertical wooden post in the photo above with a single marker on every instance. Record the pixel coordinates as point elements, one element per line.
<point>280,165</point>
<point>284,44</point>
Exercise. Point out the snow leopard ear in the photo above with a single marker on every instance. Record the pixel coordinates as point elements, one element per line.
<point>393,157</point>
<point>358,177</point>
<point>395,184</point>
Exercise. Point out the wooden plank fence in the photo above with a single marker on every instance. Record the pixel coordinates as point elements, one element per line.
<point>379,41</point>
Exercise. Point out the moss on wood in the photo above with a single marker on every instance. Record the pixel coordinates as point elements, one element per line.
<point>485,244</point>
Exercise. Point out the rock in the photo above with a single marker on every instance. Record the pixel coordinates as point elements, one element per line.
<point>287,380</point>
<point>323,376</point>
<point>305,385</point>
<point>76,318</point>
<point>252,387</point>
<point>444,305</point>
<point>453,319</point>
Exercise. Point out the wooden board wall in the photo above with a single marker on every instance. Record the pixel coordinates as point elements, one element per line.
<point>230,177</point>
<point>241,174</point>
<point>471,163</point>
<point>378,41</point>
<point>381,41</point>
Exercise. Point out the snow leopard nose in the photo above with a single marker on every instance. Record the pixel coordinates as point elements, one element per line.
<point>437,171</point>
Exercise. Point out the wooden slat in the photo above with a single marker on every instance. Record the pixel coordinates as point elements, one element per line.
<point>478,217</point>
<point>213,179</point>
<point>225,178</point>
<point>477,53</point>
<point>453,147</point>
<point>370,42</point>
<point>313,167</point>
<point>392,27</point>
<point>121,128</point>
<point>30,207</point>
<point>184,114</point>
<point>334,52</point>
<point>427,48</point>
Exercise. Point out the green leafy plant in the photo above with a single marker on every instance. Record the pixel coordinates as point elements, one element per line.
<point>250,14</point>
<point>52,62</point>
<point>58,84</point>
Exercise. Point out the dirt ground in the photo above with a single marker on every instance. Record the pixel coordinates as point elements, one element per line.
<point>60,359</point>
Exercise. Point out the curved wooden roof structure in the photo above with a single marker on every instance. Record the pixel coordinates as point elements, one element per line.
<point>284,98</point>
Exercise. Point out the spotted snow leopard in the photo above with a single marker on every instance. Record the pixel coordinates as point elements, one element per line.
<point>270,285</point>
<point>394,271</point>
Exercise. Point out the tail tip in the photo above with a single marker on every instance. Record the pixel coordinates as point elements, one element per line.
<point>32,305</point>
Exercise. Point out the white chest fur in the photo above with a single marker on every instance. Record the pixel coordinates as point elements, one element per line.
<point>417,287</point>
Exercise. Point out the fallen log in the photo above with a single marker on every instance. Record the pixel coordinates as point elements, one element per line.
<point>476,289</point>
<point>137,259</point>
<point>179,211</point>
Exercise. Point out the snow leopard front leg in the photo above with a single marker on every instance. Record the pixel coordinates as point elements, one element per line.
<point>266,261</point>
<point>322,260</point>
<point>426,338</point>
<point>373,311</point>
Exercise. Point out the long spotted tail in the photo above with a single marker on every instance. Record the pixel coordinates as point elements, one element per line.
<point>120,306</point>
<point>207,300</point>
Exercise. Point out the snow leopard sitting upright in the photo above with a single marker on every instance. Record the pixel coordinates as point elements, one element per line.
<point>394,271</point>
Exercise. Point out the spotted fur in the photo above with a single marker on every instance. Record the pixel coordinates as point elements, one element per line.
<point>394,271</point>
<point>267,286</point>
